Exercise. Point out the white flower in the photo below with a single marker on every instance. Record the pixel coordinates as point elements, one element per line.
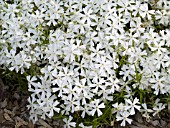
<point>105,94</point>
<point>127,71</point>
<point>82,126</point>
<point>113,83</point>
<point>118,107</point>
<point>97,84</point>
<point>68,123</point>
<point>145,111</point>
<point>87,16</point>
<point>124,117</point>
<point>40,87</point>
<point>85,109</point>
<point>66,74</point>
<point>96,53</point>
<point>125,6</point>
<point>81,88</point>
<point>158,46</point>
<point>136,26</point>
<point>145,12</point>
<point>95,106</point>
<point>158,107</point>
<point>132,105</point>
<point>158,83</point>
<point>71,103</point>
<point>104,65</point>
<point>162,16</point>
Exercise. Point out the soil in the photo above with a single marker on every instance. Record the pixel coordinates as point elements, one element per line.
<point>14,113</point>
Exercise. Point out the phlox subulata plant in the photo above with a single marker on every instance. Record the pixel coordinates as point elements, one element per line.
<point>89,62</point>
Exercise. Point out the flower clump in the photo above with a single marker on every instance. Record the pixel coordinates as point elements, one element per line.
<point>90,62</point>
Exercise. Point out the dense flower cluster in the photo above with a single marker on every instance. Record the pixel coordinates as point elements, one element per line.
<point>88,55</point>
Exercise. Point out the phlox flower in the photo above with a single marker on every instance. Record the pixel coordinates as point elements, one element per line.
<point>68,123</point>
<point>123,116</point>
<point>95,106</point>
<point>145,111</point>
<point>132,105</point>
<point>71,103</point>
<point>83,126</point>
<point>158,107</point>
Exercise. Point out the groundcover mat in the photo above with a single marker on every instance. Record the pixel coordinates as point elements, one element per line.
<point>88,63</point>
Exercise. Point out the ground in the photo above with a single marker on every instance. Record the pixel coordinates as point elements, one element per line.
<point>14,113</point>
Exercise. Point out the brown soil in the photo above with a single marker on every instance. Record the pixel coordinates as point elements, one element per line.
<point>14,113</point>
